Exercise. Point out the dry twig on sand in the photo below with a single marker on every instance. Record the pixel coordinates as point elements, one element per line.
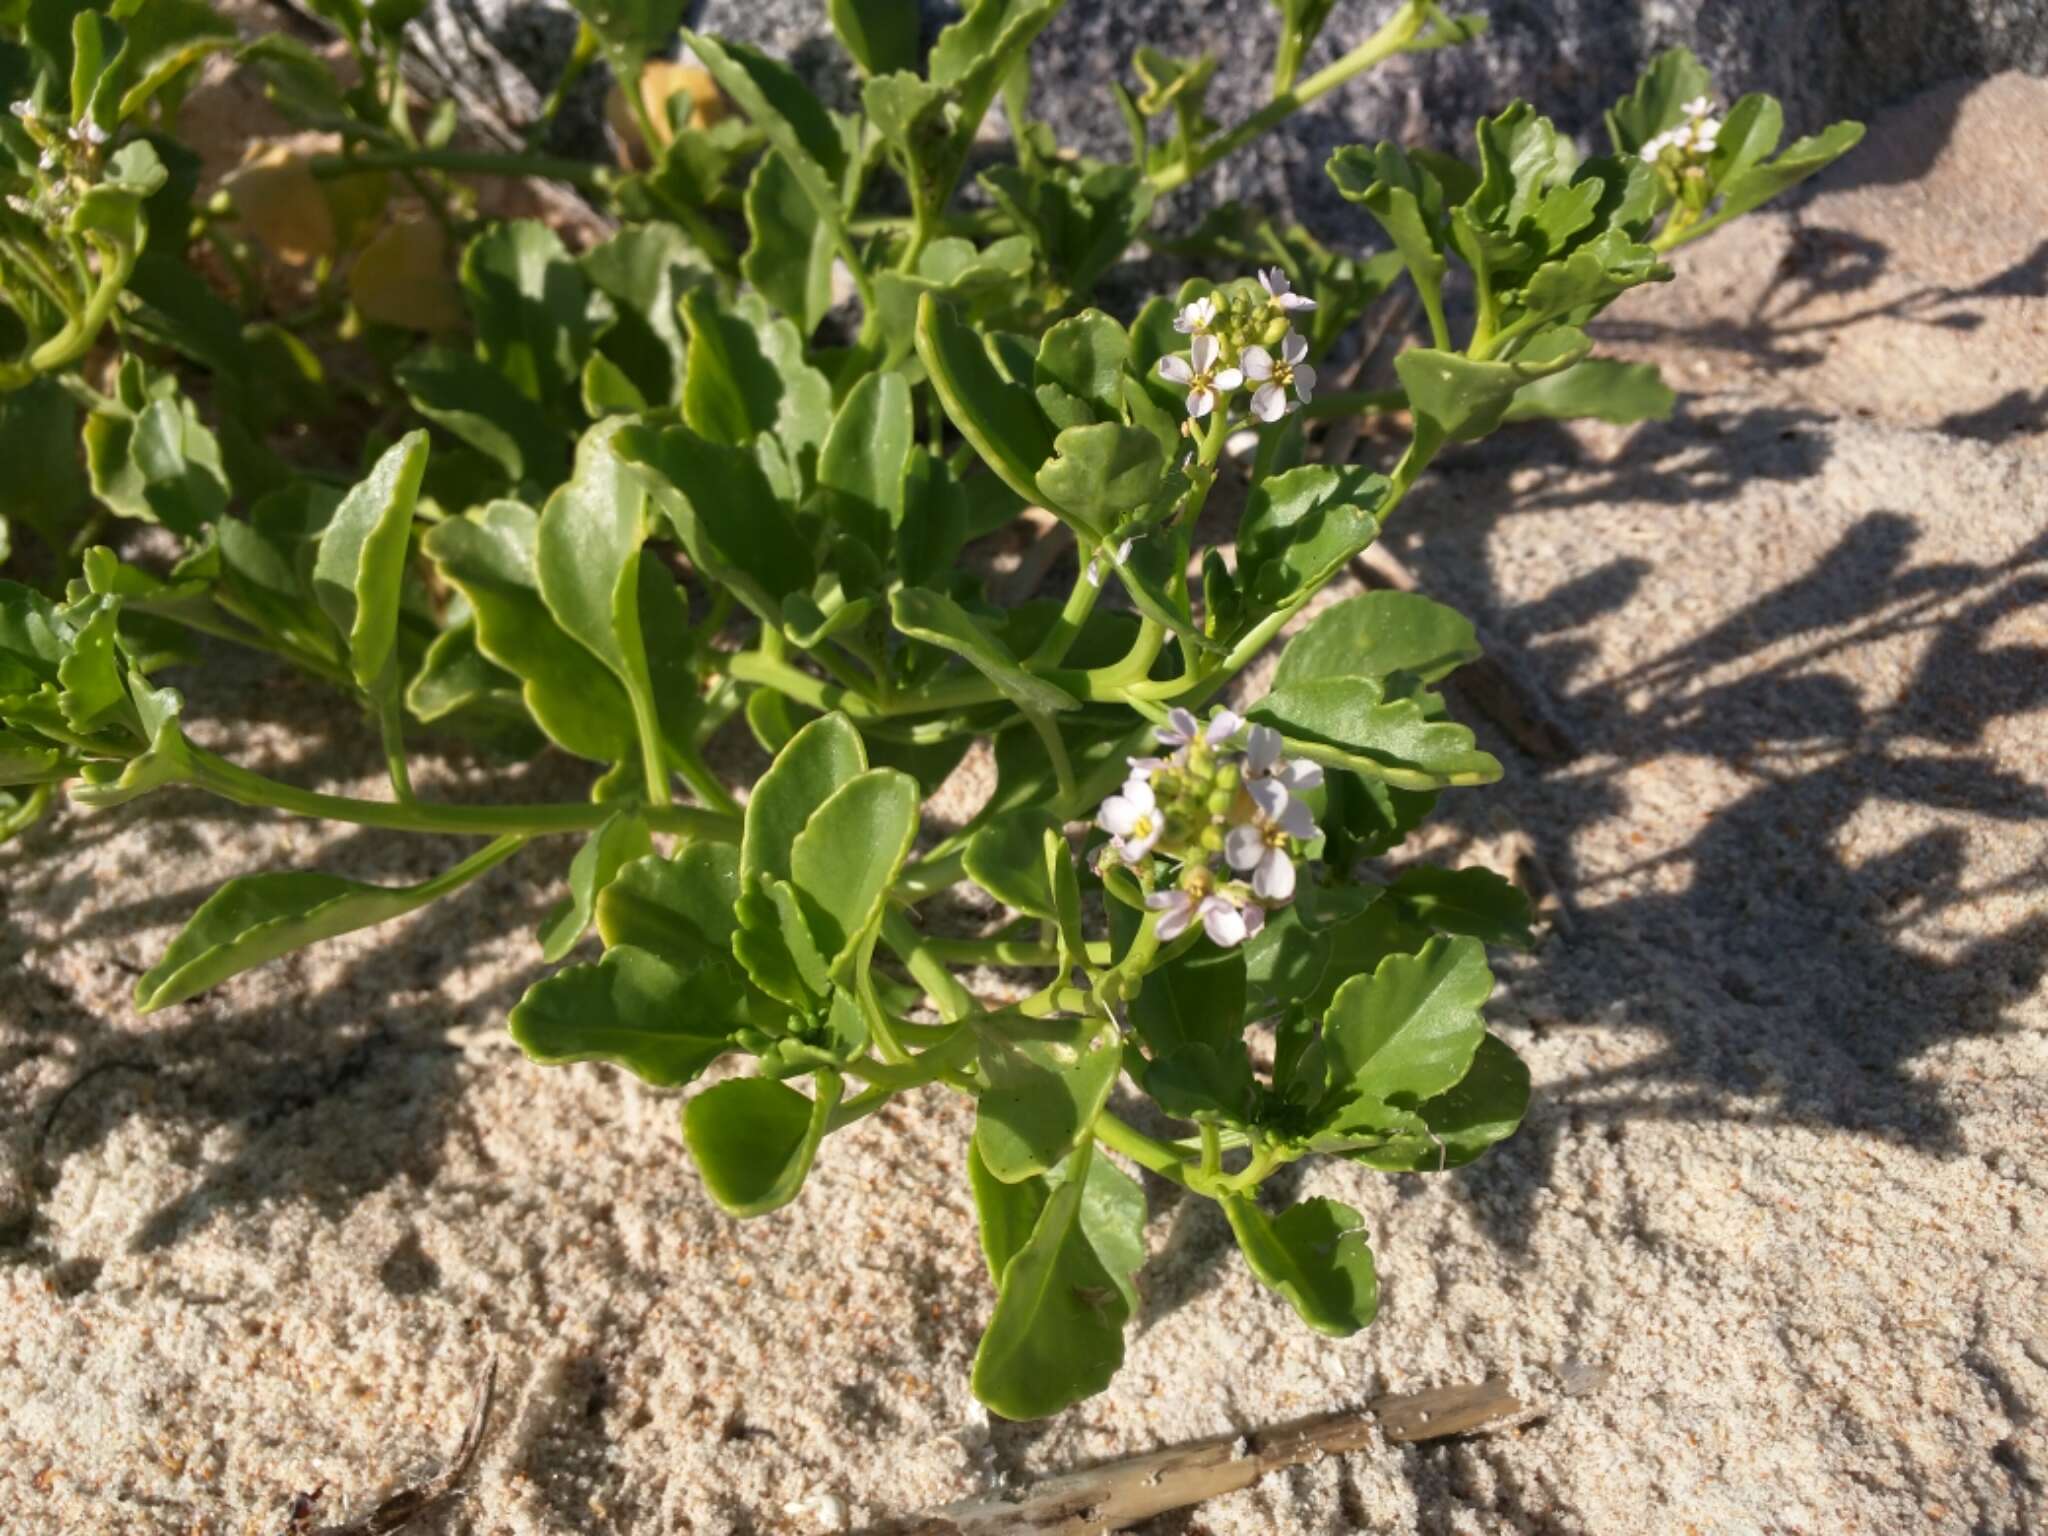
<point>400,1509</point>
<point>1121,1493</point>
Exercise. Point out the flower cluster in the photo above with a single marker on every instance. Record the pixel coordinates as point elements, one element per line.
<point>1232,342</point>
<point>68,159</point>
<point>1693,139</point>
<point>1211,798</point>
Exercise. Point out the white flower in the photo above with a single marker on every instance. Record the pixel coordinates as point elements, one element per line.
<point>1281,291</point>
<point>1132,820</point>
<point>1196,319</point>
<point>1182,727</point>
<point>23,109</point>
<point>1699,106</point>
<point>1226,923</point>
<point>1142,768</point>
<point>1706,133</point>
<point>1262,761</point>
<point>1275,376</point>
<point>1208,385</point>
<point>1249,850</point>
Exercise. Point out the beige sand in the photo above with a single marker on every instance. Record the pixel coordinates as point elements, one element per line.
<point>1784,1174</point>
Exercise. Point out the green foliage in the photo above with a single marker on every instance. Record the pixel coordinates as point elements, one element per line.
<point>749,473</point>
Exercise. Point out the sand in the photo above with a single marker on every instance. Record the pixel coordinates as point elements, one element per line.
<point>1784,1175</point>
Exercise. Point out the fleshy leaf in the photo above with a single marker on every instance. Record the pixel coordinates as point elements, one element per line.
<point>596,864</point>
<point>1347,722</point>
<point>1006,858</point>
<point>1315,1256</point>
<point>1407,1032</point>
<point>999,418</point>
<point>849,854</point>
<point>1057,1332</point>
<point>254,919</point>
<point>754,1139</point>
<point>1483,1107</point>
<point>819,760</point>
<point>361,559</point>
<point>1376,635</point>
<point>1042,1096</point>
<point>937,620</point>
<point>637,1010</point>
<point>1475,902</point>
<point>1300,528</point>
<point>680,908</point>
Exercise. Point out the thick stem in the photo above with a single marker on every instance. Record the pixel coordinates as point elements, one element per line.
<point>1397,34</point>
<point>232,782</point>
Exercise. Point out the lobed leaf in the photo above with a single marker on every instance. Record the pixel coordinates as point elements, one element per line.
<point>661,1021</point>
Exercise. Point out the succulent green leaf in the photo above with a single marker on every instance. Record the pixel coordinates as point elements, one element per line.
<point>1379,634</point>
<point>1006,858</point>
<point>597,863</point>
<point>483,408</point>
<point>644,270</point>
<point>754,1139</point>
<point>1057,1332</point>
<point>820,759</point>
<point>1100,474</point>
<point>1475,902</point>
<point>866,456</point>
<point>1302,527</point>
<point>1315,1255</point>
<point>789,257</point>
<point>1481,1108</point>
<point>680,908</point>
<point>1347,722</point>
<point>725,512</point>
<point>157,462</point>
<point>999,418</point>
<point>44,483</point>
<point>361,561</point>
<point>489,555</point>
<point>1407,1032</point>
<point>1042,1096</point>
<point>1459,400</point>
<point>880,34</point>
<point>531,306</point>
<point>635,28</point>
<point>1599,389</point>
<point>747,376</point>
<point>1673,78</point>
<point>254,919</point>
<point>937,620</point>
<point>848,856</point>
<point>661,1021</point>
<point>1087,355</point>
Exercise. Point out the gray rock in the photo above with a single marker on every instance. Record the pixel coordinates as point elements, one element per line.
<point>1824,58</point>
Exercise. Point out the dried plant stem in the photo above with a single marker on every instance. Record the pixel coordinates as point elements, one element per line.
<point>1121,1493</point>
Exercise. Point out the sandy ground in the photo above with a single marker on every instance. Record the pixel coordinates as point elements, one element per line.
<point>1784,1174</point>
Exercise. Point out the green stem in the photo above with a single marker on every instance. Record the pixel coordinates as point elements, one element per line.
<point>391,731</point>
<point>580,58</point>
<point>232,782</point>
<point>1006,952</point>
<point>1212,1150</point>
<point>953,1001</point>
<point>463,162</point>
<point>1147,1152</point>
<point>1395,36</point>
<point>1081,599</point>
<point>704,784</point>
<point>78,335</point>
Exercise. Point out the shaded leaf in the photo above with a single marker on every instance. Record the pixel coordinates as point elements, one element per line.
<point>754,1139</point>
<point>638,1010</point>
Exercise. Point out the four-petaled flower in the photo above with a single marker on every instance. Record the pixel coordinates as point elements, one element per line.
<point>1182,728</point>
<point>1208,385</point>
<point>1281,291</point>
<point>1259,847</point>
<point>1132,820</point>
<point>1276,375</point>
<point>1227,923</point>
<point>1196,319</point>
<point>1262,760</point>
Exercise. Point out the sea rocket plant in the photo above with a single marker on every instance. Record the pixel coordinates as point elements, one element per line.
<point>664,501</point>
